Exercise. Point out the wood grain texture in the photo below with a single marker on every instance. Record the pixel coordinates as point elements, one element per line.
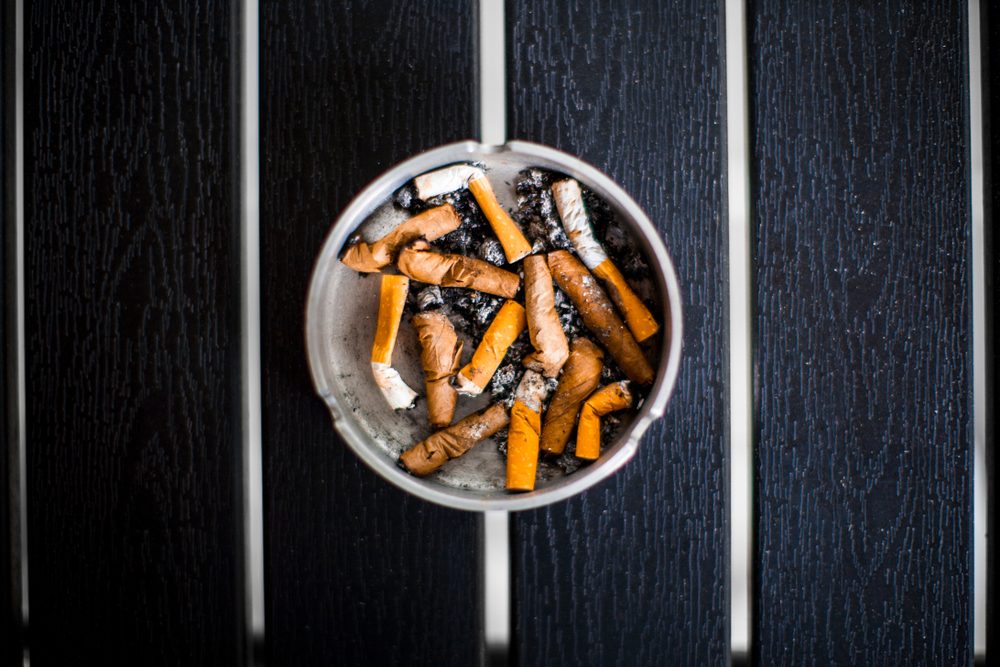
<point>635,571</point>
<point>132,334</point>
<point>357,571</point>
<point>10,584</point>
<point>862,334</point>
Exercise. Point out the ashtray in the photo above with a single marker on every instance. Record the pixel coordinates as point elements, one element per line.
<point>342,311</point>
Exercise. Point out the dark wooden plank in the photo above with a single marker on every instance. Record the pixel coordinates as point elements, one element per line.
<point>132,334</point>
<point>635,571</point>
<point>10,585</point>
<point>862,333</point>
<point>357,571</point>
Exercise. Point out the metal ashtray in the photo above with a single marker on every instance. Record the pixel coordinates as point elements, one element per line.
<point>341,313</point>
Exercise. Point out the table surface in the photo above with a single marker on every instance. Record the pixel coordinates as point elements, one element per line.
<point>133,426</point>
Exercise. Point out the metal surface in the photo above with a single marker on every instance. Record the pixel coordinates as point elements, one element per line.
<point>340,322</point>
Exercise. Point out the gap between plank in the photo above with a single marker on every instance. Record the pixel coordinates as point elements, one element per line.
<point>495,547</point>
<point>741,394</point>
<point>249,206</point>
<point>980,514</point>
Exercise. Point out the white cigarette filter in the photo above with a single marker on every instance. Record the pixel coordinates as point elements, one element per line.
<point>569,202</point>
<point>392,298</point>
<point>443,181</point>
<point>396,391</point>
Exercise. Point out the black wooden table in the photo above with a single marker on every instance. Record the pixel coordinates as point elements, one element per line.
<point>123,241</point>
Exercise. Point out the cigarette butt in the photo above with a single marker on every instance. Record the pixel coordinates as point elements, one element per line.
<point>392,298</point>
<point>603,401</point>
<point>445,180</point>
<point>515,246</point>
<point>440,354</point>
<point>580,376</point>
<point>430,454</point>
<point>421,263</point>
<point>547,336</point>
<point>640,321</point>
<point>523,435</point>
<point>599,315</point>
<point>506,326</point>
<point>569,201</point>
<point>431,224</point>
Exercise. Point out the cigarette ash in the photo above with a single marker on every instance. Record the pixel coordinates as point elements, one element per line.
<point>536,211</point>
<point>508,375</point>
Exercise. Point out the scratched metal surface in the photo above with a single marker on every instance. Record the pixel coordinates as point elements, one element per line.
<point>862,333</point>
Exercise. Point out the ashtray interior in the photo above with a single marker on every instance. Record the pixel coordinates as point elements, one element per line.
<point>340,324</point>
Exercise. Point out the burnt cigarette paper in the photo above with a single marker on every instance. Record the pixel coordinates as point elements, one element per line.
<point>421,263</point>
<point>599,315</point>
<point>431,453</point>
<point>430,225</point>
<point>547,336</point>
<point>440,354</point>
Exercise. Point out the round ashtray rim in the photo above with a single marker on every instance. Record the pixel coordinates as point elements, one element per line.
<point>373,196</point>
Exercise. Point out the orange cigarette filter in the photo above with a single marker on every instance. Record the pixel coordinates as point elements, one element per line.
<point>605,400</point>
<point>580,376</point>
<point>421,263</point>
<point>640,321</point>
<point>515,246</point>
<point>547,336</point>
<point>431,453</point>
<point>569,201</point>
<point>431,224</point>
<point>524,432</point>
<point>599,315</point>
<point>440,354</point>
<point>501,334</point>
<point>392,298</point>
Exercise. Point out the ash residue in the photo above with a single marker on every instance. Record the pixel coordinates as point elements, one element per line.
<point>491,251</point>
<point>611,373</point>
<point>466,239</point>
<point>505,381</point>
<point>508,375</point>
<point>406,199</point>
<point>471,311</point>
<point>610,425</point>
<point>536,212</point>
<point>569,317</point>
<point>429,297</point>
